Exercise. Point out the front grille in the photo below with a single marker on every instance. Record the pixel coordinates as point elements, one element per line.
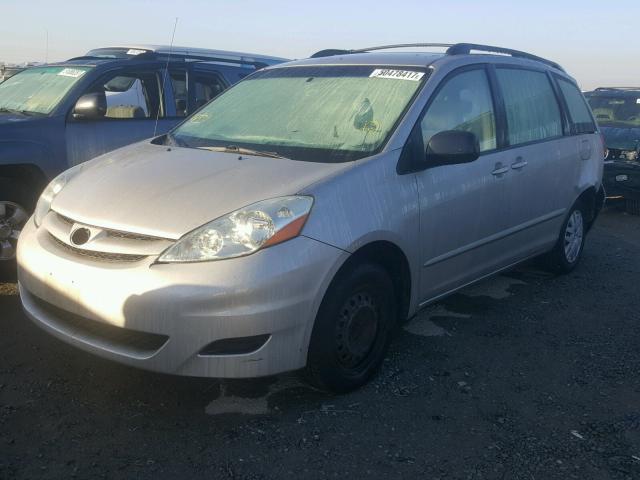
<point>64,219</point>
<point>113,233</point>
<point>127,341</point>
<point>103,256</point>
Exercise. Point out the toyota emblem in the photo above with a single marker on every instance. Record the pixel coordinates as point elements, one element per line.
<point>80,236</point>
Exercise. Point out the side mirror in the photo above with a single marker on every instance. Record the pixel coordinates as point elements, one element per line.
<point>90,106</point>
<point>452,147</point>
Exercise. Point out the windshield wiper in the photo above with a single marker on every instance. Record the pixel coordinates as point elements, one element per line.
<point>20,112</point>
<point>243,151</point>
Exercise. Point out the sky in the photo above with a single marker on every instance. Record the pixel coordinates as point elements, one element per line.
<point>598,42</point>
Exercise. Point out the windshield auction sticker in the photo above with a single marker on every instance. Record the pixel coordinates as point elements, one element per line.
<point>135,51</point>
<point>71,72</point>
<point>397,74</point>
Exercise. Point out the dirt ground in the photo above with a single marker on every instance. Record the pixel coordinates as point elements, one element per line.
<point>524,376</point>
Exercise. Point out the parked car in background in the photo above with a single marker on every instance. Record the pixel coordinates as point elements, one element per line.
<point>617,110</point>
<point>301,215</point>
<point>8,71</point>
<point>59,115</point>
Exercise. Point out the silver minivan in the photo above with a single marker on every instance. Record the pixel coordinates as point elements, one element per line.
<point>298,218</point>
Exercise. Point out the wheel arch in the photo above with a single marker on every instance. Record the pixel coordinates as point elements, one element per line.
<point>592,200</point>
<point>389,256</point>
<point>28,175</point>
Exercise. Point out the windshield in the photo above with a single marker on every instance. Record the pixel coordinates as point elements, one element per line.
<point>38,90</point>
<point>320,113</point>
<point>622,112</point>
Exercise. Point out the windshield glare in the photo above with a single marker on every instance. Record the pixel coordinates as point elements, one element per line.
<point>38,90</point>
<point>320,113</point>
<point>623,111</point>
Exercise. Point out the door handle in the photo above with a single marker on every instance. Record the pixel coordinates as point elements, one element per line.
<point>520,163</point>
<point>499,170</point>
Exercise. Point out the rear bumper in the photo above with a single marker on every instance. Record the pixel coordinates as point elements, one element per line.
<point>159,317</point>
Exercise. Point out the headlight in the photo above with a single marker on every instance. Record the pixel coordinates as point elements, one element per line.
<point>631,155</point>
<point>243,232</point>
<point>54,188</point>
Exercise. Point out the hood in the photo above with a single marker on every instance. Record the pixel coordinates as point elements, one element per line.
<point>12,119</point>
<point>622,138</point>
<point>15,127</point>
<point>167,192</point>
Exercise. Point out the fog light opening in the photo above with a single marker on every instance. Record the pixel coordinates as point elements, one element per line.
<point>235,346</point>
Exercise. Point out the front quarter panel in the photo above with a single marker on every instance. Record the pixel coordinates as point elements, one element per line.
<point>37,142</point>
<point>367,203</point>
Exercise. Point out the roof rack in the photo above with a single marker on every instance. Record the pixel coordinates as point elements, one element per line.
<point>404,45</point>
<point>182,53</point>
<point>330,52</point>
<point>466,48</point>
<point>452,49</point>
<point>627,89</point>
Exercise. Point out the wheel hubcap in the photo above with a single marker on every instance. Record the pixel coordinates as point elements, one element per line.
<point>12,219</point>
<point>357,329</point>
<point>573,236</point>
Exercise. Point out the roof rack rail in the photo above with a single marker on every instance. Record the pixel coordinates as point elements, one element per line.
<point>452,49</point>
<point>466,48</point>
<point>629,89</point>
<point>330,52</point>
<point>85,57</point>
<point>403,45</point>
<point>161,52</point>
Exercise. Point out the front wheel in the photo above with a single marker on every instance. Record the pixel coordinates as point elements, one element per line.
<point>14,213</point>
<point>353,329</point>
<point>567,252</point>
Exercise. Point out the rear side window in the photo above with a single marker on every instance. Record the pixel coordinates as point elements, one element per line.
<point>532,110</point>
<point>581,120</point>
<point>207,87</point>
<point>463,103</point>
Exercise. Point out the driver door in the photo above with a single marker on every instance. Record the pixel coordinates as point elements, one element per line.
<point>133,104</point>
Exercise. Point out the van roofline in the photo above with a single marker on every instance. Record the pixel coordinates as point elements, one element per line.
<point>451,49</point>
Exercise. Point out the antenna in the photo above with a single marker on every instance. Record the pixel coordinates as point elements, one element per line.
<point>164,76</point>
<point>46,49</point>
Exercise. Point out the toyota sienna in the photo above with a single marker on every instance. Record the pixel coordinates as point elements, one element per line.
<point>298,218</point>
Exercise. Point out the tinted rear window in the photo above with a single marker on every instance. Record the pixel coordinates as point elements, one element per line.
<point>581,119</point>
<point>533,113</point>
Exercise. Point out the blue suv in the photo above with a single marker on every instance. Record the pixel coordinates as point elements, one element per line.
<point>58,115</point>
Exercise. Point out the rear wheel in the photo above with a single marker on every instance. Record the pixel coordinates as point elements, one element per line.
<point>567,252</point>
<point>15,208</point>
<point>353,329</point>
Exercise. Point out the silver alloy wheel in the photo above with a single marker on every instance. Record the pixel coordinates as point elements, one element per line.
<point>12,219</point>
<point>573,236</point>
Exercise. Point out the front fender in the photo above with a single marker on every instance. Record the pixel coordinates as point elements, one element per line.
<point>14,152</point>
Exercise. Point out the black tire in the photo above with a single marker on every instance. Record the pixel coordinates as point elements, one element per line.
<point>16,193</point>
<point>559,260</point>
<point>632,206</point>
<point>353,329</point>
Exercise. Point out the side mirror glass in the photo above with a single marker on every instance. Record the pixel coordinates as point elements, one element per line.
<point>452,147</point>
<point>90,106</point>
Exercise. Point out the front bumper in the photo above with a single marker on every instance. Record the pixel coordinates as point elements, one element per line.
<point>160,316</point>
<point>622,179</point>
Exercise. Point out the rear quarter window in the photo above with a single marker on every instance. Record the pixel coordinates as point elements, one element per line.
<point>581,119</point>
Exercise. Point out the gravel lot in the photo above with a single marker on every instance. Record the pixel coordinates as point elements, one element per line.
<point>524,376</point>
